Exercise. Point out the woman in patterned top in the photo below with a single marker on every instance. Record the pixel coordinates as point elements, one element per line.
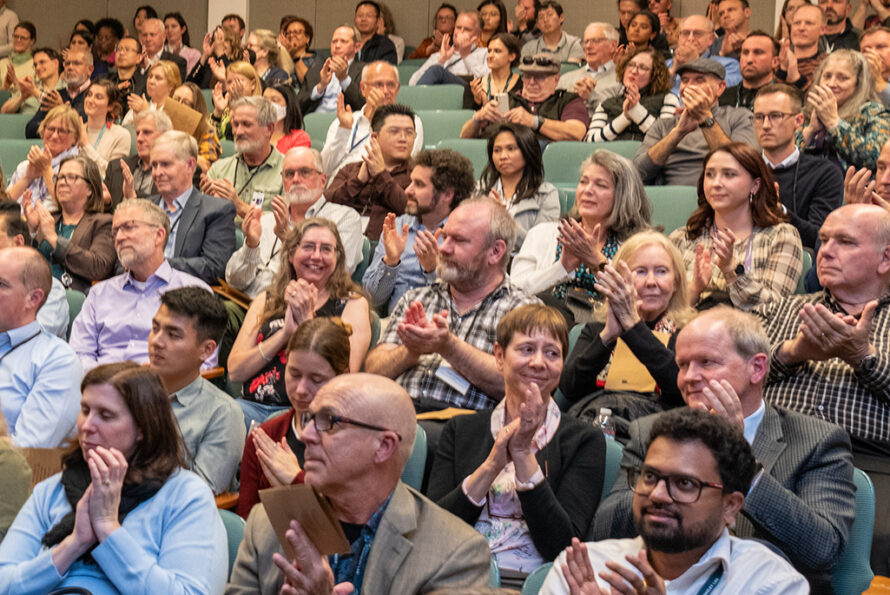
<point>738,246</point>
<point>647,96</point>
<point>562,258</point>
<point>311,282</point>
<point>845,122</point>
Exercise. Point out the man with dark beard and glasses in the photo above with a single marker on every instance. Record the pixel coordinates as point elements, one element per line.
<point>405,258</point>
<point>254,173</point>
<point>439,343</point>
<point>803,498</point>
<point>253,266</point>
<point>686,493</point>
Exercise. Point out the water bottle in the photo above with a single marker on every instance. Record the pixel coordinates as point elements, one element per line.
<point>604,421</point>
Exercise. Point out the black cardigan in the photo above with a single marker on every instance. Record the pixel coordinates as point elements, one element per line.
<point>590,356</point>
<point>556,509</point>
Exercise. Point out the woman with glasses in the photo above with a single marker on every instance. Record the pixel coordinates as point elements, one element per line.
<point>62,131</point>
<point>288,131</point>
<point>103,140</point>
<point>76,239</point>
<point>527,477</point>
<point>209,149</point>
<point>124,515</point>
<point>264,45</point>
<point>845,122</point>
<point>273,452</point>
<point>647,96</point>
<point>312,282</point>
<point>738,246</point>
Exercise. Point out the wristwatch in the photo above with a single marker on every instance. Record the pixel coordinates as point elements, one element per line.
<point>707,123</point>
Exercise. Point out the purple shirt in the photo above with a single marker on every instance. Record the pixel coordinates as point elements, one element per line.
<point>115,320</point>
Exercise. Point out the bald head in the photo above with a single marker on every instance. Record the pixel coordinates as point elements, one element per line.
<point>854,255</point>
<point>26,277</point>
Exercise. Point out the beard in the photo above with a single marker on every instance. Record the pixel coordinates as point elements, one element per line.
<point>413,207</point>
<point>300,195</point>
<point>671,540</point>
<point>246,146</point>
<point>73,80</point>
<point>460,275</point>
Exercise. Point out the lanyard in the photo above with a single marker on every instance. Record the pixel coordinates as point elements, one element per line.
<point>101,132</point>
<point>352,142</point>
<point>3,357</point>
<point>712,581</point>
<point>506,84</point>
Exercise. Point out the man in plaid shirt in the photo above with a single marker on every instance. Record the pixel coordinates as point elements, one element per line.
<point>447,359</point>
<point>831,350</point>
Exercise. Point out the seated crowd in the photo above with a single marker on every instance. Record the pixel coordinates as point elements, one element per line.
<point>233,306</point>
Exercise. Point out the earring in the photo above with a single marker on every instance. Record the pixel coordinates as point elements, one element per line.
<point>751,197</point>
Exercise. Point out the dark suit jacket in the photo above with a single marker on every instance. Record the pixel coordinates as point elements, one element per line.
<point>114,180</point>
<point>803,503</point>
<point>379,47</point>
<point>137,82</point>
<point>89,254</point>
<point>352,94</point>
<point>34,123</point>
<point>205,236</point>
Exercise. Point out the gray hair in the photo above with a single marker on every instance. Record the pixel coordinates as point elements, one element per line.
<point>162,120</point>
<point>865,85</point>
<point>269,42</point>
<point>378,63</point>
<point>316,156</point>
<point>153,213</point>
<point>265,114</point>
<point>156,22</point>
<point>609,32</point>
<point>87,56</point>
<point>745,330</point>
<point>709,25</point>
<point>501,225</point>
<point>356,36</point>
<point>185,146</point>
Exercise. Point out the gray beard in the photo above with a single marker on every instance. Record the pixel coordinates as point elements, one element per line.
<point>300,196</point>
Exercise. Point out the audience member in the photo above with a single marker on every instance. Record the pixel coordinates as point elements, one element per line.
<point>672,150</point>
<point>493,17</point>
<point>525,27</point>
<point>683,528</point>
<point>30,90</point>
<point>554,114</point>
<point>386,27</point>
<point>758,60</point>
<point>75,239</point>
<point>803,498</point>
<point>152,36</point>
<point>294,46</point>
<point>126,74</point>
<point>235,23</point>
<point>829,352</point>
<point>122,515</point>
<point>460,55</point>
<point>405,257</point>
<point>809,187</point>
<point>130,177</point>
<point>288,132</point>
<point>514,177</point>
<point>115,320</point>
<point>349,135</point>
<point>8,21</point>
<point>783,27</point>
<point>241,80</point>
<point>596,79</point>
<point>39,382</point>
<point>202,233</point>
<point>161,79</point>
<point>502,57</point>
<point>878,18</point>
<point>737,245</point>
<point>254,265</point>
<point>62,132</point>
<point>696,37</point>
<point>489,466</point>
<point>376,185</point>
<point>565,47</point>
<point>875,46</point>
<point>16,486</point>
<point>447,359</point>
<point>839,33</point>
<point>645,305</point>
<point>801,55</point>
<point>177,36</point>
<point>219,49</point>
<point>19,64</point>
<point>251,177</point>
<point>443,24</point>
<point>400,542</point>
<point>209,148</point>
<point>670,26</point>
<point>644,28</point>
<point>104,140</point>
<point>265,49</point>
<point>146,11</point>
<point>626,11</point>
<point>76,77</point>
<point>311,282</point>
<point>734,17</point>
<point>326,80</point>
<point>184,333</point>
<point>371,46</point>
<point>562,258</point>
<point>646,96</point>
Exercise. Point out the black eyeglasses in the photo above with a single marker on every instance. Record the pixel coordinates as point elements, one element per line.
<point>325,421</point>
<point>682,489</point>
<point>539,60</point>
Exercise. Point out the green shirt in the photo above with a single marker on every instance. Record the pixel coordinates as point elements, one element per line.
<point>264,179</point>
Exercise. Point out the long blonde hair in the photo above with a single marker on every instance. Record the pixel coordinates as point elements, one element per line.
<point>865,85</point>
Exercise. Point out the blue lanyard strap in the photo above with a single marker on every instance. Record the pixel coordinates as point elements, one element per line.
<point>712,581</point>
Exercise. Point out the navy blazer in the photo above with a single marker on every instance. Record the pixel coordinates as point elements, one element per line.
<point>352,95</point>
<point>205,236</point>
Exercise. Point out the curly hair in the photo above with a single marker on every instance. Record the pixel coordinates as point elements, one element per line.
<point>451,170</point>
<point>659,78</point>
<point>766,210</point>
<point>339,285</point>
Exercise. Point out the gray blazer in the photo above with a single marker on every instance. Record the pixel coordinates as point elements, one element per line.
<point>205,236</point>
<point>803,503</point>
<point>418,548</point>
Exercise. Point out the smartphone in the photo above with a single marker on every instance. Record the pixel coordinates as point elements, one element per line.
<point>503,102</point>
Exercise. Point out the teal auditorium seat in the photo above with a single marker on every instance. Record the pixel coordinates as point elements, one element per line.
<point>75,303</point>
<point>474,149</point>
<point>535,580</point>
<point>494,575</point>
<point>432,97</point>
<point>227,148</point>
<point>672,205</point>
<point>406,70</point>
<point>614,452</point>
<point>560,398</point>
<point>208,98</point>
<point>439,125</point>
<point>412,474</point>
<point>853,573</point>
<point>366,260</point>
<point>562,160</point>
<point>807,265</point>
<point>316,125</point>
<point>14,151</point>
<point>13,125</point>
<point>234,525</point>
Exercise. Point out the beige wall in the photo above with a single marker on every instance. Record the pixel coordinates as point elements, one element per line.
<point>413,17</point>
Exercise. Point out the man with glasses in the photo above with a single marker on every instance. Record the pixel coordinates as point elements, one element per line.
<point>359,433</point>
<point>253,175</point>
<point>115,320</point>
<point>254,265</point>
<point>372,46</point>
<point>595,80</point>
<point>125,74</point>
<point>696,37</point>
<point>443,24</point>
<point>686,494</point>
<point>554,114</point>
<point>457,56</point>
<point>348,136</point>
<point>376,185</point>
<point>20,63</point>
<point>802,498</point>
<point>76,77</point>
<point>810,187</point>
<point>565,47</point>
